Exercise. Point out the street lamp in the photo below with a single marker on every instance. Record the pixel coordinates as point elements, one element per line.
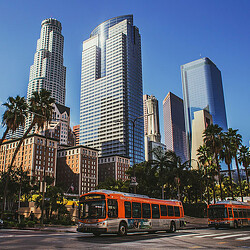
<point>133,179</point>
<point>133,182</point>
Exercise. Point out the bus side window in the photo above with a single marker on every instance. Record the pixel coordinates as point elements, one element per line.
<point>112,208</point>
<point>155,211</point>
<point>164,211</point>
<point>136,210</point>
<point>240,213</point>
<point>230,212</point>
<point>170,211</point>
<point>127,206</point>
<point>245,213</point>
<point>235,213</point>
<point>146,212</point>
<point>248,211</point>
<point>176,211</point>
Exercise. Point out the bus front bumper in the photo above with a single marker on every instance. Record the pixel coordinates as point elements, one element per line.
<point>91,228</point>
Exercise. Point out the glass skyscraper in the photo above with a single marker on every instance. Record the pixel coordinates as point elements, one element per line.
<point>202,89</point>
<point>174,125</point>
<point>111,89</point>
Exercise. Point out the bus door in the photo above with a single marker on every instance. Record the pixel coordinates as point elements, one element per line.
<point>113,215</point>
<point>155,216</point>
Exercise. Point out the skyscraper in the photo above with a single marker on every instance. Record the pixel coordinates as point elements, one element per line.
<point>111,89</point>
<point>152,136</point>
<point>174,125</point>
<point>48,71</point>
<point>202,89</point>
<point>151,122</point>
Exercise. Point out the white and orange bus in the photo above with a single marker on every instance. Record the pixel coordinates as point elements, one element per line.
<point>231,214</point>
<point>105,211</point>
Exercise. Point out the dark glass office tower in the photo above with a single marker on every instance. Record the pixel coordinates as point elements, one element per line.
<point>202,89</point>
<point>174,125</point>
<point>111,89</point>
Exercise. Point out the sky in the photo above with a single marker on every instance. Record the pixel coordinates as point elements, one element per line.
<point>173,32</point>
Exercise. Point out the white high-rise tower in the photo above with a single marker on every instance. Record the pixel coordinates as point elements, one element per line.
<point>111,89</point>
<point>48,71</point>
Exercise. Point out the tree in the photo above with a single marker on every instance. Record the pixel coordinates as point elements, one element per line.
<point>14,115</point>
<point>116,185</point>
<point>163,166</point>
<point>212,139</point>
<point>40,105</point>
<point>227,156</point>
<point>244,159</point>
<point>205,159</point>
<point>236,142</point>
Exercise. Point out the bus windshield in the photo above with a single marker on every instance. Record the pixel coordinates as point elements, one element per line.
<point>217,213</point>
<point>92,209</point>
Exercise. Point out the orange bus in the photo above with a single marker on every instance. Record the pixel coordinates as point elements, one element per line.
<point>231,214</point>
<point>105,211</point>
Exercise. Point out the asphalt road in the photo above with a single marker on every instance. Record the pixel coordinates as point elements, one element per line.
<point>184,239</point>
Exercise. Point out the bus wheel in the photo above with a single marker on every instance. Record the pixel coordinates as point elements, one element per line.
<point>97,233</point>
<point>122,229</point>
<point>172,227</point>
<point>235,224</point>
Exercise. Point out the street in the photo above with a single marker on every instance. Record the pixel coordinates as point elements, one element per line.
<point>189,238</point>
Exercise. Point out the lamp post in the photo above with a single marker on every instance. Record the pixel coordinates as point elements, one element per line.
<point>133,182</point>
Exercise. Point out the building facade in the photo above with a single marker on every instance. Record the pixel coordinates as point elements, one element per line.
<point>111,89</point>
<point>113,166</point>
<point>77,169</point>
<point>34,156</point>
<point>174,125</point>
<point>48,71</point>
<point>202,119</point>
<point>76,131</point>
<point>151,124</point>
<point>59,126</point>
<point>202,89</point>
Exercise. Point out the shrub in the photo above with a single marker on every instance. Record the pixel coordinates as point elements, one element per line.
<point>31,223</point>
<point>22,224</point>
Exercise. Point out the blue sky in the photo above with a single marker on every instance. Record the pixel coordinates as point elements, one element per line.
<point>173,33</point>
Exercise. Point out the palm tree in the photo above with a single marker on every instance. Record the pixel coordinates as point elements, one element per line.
<point>236,142</point>
<point>244,159</point>
<point>163,166</point>
<point>40,105</point>
<point>204,158</point>
<point>212,139</point>
<point>14,116</point>
<point>227,156</point>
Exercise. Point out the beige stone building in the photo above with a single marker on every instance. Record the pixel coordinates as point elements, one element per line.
<point>202,119</point>
<point>33,156</point>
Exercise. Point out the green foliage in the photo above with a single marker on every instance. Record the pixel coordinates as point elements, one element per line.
<point>195,210</point>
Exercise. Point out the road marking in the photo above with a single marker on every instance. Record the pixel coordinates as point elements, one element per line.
<point>228,236</point>
<point>244,238</point>
<point>207,235</point>
<point>222,242</point>
<point>28,235</point>
<point>196,247</point>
